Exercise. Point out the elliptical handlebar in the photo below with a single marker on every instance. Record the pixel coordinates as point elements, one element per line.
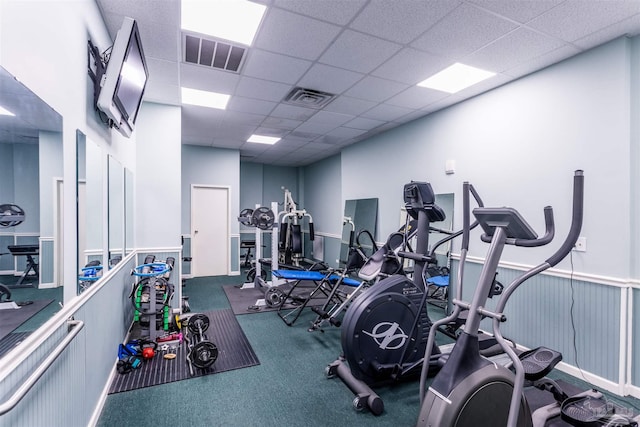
<point>576,220</point>
<point>548,234</point>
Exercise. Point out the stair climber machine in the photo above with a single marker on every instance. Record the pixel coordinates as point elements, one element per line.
<point>385,331</point>
<point>470,390</point>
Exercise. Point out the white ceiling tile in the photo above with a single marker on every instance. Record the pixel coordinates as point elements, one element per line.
<point>358,52</point>
<point>262,89</point>
<point>347,105</point>
<point>197,141</point>
<point>268,131</point>
<point>329,79</point>
<point>575,19</point>
<point>416,97</point>
<point>375,89</point>
<point>227,143</point>
<point>273,66</point>
<point>401,21</point>
<point>292,112</point>
<point>235,117</point>
<point>317,128</point>
<point>328,117</point>
<point>542,61</point>
<point>521,11</point>
<point>346,133</point>
<point>250,105</point>
<point>207,78</point>
<point>410,117</point>
<point>315,147</point>
<point>364,123</point>
<point>281,123</point>
<point>511,50</point>
<point>411,66</point>
<point>386,112</point>
<point>295,35</point>
<point>163,94</point>
<point>463,31</point>
<point>163,72</point>
<point>629,27</point>
<point>336,11</point>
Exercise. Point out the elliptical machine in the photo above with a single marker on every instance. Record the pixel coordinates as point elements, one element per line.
<point>385,330</point>
<point>469,388</point>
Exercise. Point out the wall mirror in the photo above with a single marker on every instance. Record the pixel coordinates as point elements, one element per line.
<point>129,234</point>
<point>90,160</point>
<point>116,211</point>
<point>31,201</point>
<point>364,216</point>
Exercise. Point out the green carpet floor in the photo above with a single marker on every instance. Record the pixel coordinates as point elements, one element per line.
<point>288,388</point>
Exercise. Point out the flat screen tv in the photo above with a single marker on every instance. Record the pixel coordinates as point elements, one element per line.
<point>125,79</point>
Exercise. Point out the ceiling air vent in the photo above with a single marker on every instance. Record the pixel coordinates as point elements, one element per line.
<point>308,97</point>
<point>213,53</point>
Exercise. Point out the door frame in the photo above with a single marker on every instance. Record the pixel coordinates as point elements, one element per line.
<point>194,266</point>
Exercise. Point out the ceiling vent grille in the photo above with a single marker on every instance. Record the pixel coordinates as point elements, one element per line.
<point>308,98</point>
<point>213,53</point>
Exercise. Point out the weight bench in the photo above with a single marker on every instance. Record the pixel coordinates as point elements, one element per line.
<point>326,284</point>
<point>29,251</point>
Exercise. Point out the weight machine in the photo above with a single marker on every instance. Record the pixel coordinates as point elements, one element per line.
<point>291,244</point>
<point>11,216</point>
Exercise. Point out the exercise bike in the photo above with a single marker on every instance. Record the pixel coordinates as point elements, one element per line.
<point>385,330</point>
<point>470,389</point>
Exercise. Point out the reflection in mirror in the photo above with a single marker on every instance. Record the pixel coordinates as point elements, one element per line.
<point>437,273</point>
<point>90,211</point>
<point>30,211</point>
<point>116,211</point>
<point>364,215</point>
<point>128,212</point>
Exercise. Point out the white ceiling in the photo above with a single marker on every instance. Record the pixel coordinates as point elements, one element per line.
<point>370,53</point>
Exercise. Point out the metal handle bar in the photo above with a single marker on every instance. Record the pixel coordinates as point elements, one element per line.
<point>75,327</point>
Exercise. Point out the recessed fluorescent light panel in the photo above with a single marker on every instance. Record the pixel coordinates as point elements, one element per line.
<point>233,20</point>
<point>455,78</point>
<point>203,98</point>
<point>261,139</point>
<point>5,112</point>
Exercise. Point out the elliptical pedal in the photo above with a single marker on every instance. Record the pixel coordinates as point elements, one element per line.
<point>537,363</point>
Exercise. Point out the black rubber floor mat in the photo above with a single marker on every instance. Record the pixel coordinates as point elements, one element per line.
<point>243,301</point>
<point>10,341</point>
<point>234,352</point>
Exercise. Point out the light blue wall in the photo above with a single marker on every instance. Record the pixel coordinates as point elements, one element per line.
<point>251,185</point>
<point>27,186</point>
<point>274,178</point>
<point>209,166</point>
<point>519,145</point>
<point>50,170</point>
<point>158,170</point>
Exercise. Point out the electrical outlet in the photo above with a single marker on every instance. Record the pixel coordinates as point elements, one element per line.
<point>581,245</point>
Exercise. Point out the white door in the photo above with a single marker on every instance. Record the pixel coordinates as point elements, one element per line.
<point>209,231</point>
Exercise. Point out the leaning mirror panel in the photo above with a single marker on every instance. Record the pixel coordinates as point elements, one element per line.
<point>31,200</point>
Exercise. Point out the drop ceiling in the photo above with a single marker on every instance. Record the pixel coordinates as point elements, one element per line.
<point>367,55</point>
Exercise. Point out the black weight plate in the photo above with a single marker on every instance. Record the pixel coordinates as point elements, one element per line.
<point>245,216</point>
<point>204,354</point>
<point>11,215</point>
<point>263,218</point>
<point>274,297</point>
<point>198,321</point>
